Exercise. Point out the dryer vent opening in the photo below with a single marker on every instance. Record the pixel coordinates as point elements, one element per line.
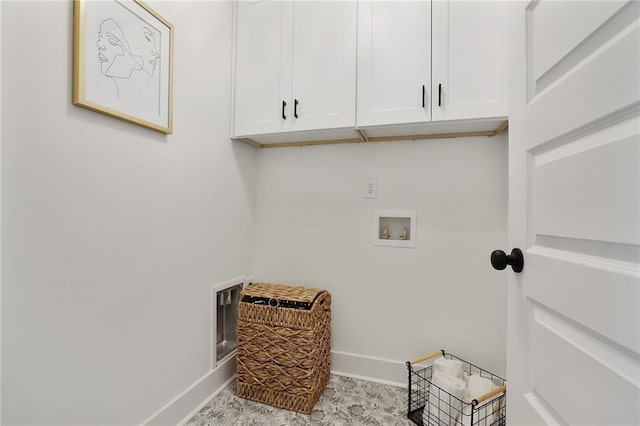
<point>227,320</point>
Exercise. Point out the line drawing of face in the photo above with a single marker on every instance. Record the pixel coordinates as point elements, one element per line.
<point>115,56</point>
<point>150,54</point>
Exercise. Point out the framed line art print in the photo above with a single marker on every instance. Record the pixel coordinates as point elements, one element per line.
<point>123,62</point>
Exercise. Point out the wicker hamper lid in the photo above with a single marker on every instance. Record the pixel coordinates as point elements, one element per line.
<point>283,292</point>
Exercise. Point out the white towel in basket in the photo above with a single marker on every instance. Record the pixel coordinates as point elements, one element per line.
<point>444,404</point>
<point>448,367</point>
<point>488,411</point>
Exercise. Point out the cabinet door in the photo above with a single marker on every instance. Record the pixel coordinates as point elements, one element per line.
<point>324,64</point>
<point>394,68</point>
<point>263,67</point>
<point>469,60</point>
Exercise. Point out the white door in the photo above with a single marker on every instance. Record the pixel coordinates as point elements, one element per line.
<point>394,62</point>
<point>324,65</point>
<point>469,60</point>
<point>263,67</point>
<point>574,194</point>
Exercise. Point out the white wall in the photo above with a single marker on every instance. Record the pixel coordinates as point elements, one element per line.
<point>0,216</point>
<point>113,234</point>
<point>313,227</point>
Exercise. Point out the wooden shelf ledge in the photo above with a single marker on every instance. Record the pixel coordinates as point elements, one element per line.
<point>364,138</point>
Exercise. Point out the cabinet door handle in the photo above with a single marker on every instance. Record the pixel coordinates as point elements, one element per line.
<point>295,108</point>
<point>284,105</point>
<point>440,94</point>
<point>423,96</point>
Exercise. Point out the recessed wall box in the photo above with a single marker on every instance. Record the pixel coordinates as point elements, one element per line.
<point>395,228</point>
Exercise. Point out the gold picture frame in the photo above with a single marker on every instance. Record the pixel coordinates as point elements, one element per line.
<point>123,62</point>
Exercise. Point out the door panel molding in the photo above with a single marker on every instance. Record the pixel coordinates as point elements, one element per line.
<point>587,194</point>
<point>623,122</point>
<point>604,22</point>
<point>630,269</point>
<point>543,409</point>
<point>575,372</point>
<point>629,253</point>
<point>572,92</point>
<point>599,293</point>
<point>609,354</point>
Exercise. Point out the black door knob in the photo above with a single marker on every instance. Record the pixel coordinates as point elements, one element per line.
<point>500,260</point>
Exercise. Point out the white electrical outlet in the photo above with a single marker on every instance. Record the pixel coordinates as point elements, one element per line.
<point>371,189</point>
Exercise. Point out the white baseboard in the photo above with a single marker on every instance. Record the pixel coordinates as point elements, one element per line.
<point>183,407</point>
<point>379,370</point>
<point>180,410</point>
<point>206,401</point>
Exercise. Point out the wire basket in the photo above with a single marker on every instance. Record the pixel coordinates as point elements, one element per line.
<point>444,409</point>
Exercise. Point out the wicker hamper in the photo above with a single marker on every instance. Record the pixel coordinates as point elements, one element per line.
<point>283,354</point>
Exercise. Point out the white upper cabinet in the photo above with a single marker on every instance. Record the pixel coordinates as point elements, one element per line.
<point>324,65</point>
<point>295,66</point>
<point>394,62</point>
<point>263,66</point>
<point>469,60</point>
<point>454,49</point>
<point>423,67</point>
